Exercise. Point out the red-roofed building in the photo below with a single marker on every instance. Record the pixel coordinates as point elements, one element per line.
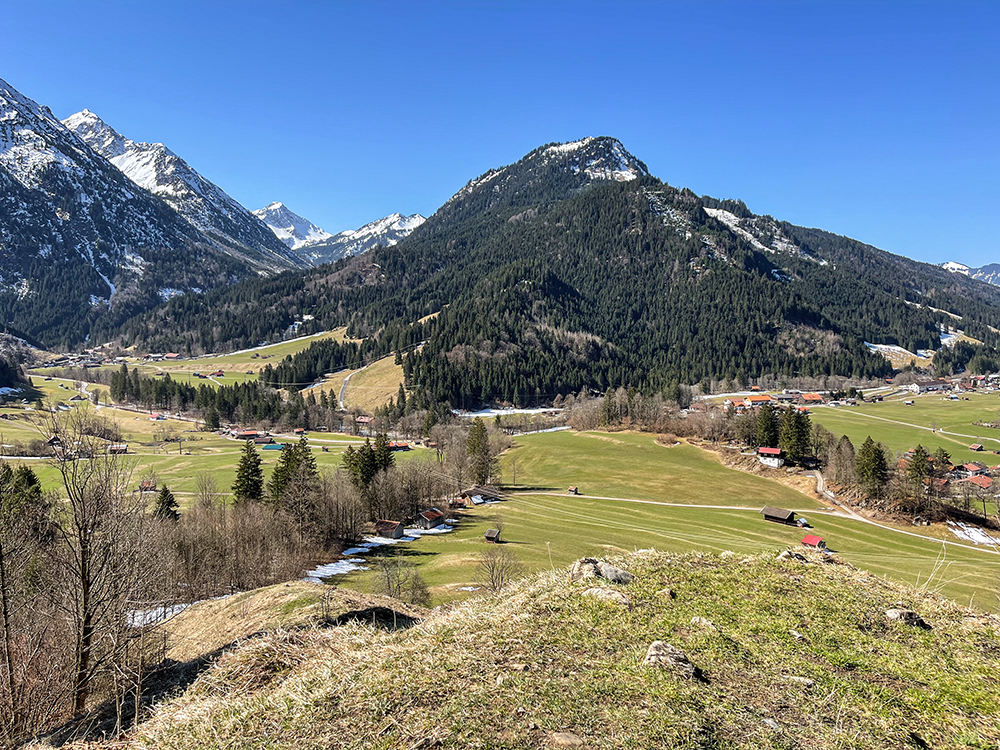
<point>974,468</point>
<point>976,447</point>
<point>811,398</point>
<point>770,457</point>
<point>814,541</point>
<point>758,399</point>
<point>430,519</point>
<point>981,481</point>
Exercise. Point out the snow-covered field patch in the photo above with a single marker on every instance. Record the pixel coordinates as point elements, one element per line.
<point>972,534</point>
<point>353,557</point>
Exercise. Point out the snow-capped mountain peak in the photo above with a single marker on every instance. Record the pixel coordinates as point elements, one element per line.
<point>289,227</point>
<point>386,232</point>
<point>205,205</point>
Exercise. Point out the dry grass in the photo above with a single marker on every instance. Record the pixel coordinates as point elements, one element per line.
<point>506,671</point>
<point>375,385</point>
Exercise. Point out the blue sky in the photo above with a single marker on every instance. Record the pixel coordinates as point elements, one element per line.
<point>874,120</point>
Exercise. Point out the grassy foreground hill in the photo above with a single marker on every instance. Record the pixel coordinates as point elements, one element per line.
<point>789,654</point>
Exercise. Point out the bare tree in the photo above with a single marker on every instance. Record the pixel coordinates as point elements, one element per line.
<point>101,553</point>
<point>399,579</point>
<point>498,566</point>
<point>206,491</point>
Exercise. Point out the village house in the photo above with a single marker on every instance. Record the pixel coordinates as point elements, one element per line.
<point>981,481</point>
<point>973,469</point>
<point>928,386</point>
<point>117,449</point>
<point>810,399</point>
<point>147,485</point>
<point>770,457</point>
<point>757,399</point>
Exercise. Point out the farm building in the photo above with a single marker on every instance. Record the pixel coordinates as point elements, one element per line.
<point>483,492</point>
<point>974,469</point>
<point>273,447</point>
<point>778,515</point>
<point>389,529</point>
<point>815,542</point>
<point>756,399</point>
<point>262,440</point>
<point>299,431</point>
<point>399,446</point>
<point>492,536</point>
<point>928,386</point>
<point>574,490</point>
<point>770,457</point>
<point>430,519</point>
<point>811,399</point>
<point>976,447</point>
<point>117,449</point>
<point>147,485</point>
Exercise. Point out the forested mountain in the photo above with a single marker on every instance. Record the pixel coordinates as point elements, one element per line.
<point>80,242</point>
<point>575,268</point>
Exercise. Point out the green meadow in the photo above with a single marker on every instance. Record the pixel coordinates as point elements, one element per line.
<point>927,421</point>
<point>545,526</point>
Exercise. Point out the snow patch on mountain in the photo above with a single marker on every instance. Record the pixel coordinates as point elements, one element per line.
<point>954,267</point>
<point>289,227</point>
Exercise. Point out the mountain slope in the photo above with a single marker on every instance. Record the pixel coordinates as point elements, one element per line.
<point>159,170</point>
<point>574,268</point>
<point>783,654</point>
<point>289,227</point>
<point>387,231</point>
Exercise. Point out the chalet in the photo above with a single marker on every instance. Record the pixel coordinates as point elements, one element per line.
<point>811,399</point>
<point>172,356</point>
<point>53,441</point>
<point>399,446</point>
<point>389,529</point>
<point>928,386</point>
<point>979,480</point>
<point>784,398</point>
<point>147,485</point>
<point>816,542</point>
<point>778,515</point>
<point>770,457</point>
<point>245,434</point>
<point>757,399</point>
<point>974,469</point>
<point>157,417</point>
<point>299,431</point>
<point>117,449</point>
<point>976,447</point>
<point>430,519</point>
<point>263,440</point>
<point>492,536</point>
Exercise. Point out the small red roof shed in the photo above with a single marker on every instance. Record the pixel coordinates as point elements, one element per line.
<point>769,451</point>
<point>814,541</point>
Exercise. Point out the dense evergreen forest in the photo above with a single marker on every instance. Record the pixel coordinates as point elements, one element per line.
<point>546,282</point>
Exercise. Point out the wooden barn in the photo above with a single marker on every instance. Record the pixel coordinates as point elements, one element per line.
<point>430,519</point>
<point>778,515</point>
<point>389,529</point>
<point>492,536</point>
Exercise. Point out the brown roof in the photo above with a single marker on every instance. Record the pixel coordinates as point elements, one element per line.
<point>432,514</point>
<point>980,481</point>
<point>771,512</point>
<point>386,527</point>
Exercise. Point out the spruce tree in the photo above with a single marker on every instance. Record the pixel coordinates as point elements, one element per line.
<point>166,506</point>
<point>767,427</point>
<point>249,484</point>
<point>919,466</point>
<point>383,453</point>
<point>481,459</point>
<point>872,468</point>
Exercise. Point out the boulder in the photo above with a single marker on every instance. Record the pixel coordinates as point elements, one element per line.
<point>907,617</point>
<point>662,655</point>
<point>613,574</point>
<point>609,595</point>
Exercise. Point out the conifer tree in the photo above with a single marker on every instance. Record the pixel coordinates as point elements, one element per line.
<point>249,484</point>
<point>383,453</point>
<point>767,427</point>
<point>919,466</point>
<point>872,468</point>
<point>481,458</point>
<point>166,506</point>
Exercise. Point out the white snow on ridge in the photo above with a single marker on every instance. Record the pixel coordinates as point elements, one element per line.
<point>564,148</point>
<point>954,267</point>
<point>289,227</point>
